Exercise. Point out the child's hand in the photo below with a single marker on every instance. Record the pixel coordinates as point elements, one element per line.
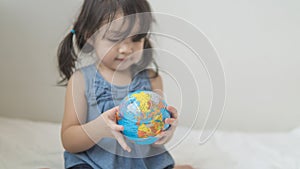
<point>166,135</point>
<point>115,130</point>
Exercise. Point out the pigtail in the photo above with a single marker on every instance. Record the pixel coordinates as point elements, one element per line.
<point>66,59</point>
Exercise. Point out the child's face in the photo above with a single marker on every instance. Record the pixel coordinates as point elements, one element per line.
<point>116,52</point>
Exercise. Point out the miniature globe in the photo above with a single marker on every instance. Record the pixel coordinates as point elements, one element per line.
<point>142,113</point>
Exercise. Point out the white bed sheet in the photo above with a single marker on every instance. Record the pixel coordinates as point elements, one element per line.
<point>27,144</point>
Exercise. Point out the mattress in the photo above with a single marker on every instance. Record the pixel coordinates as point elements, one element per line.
<point>28,144</point>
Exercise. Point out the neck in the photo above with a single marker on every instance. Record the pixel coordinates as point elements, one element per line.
<point>114,76</point>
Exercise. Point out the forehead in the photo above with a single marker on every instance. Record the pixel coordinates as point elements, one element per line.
<point>124,26</point>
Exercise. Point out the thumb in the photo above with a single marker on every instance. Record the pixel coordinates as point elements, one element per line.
<point>111,119</point>
<point>113,111</point>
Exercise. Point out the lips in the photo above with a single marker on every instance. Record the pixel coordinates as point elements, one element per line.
<point>120,59</point>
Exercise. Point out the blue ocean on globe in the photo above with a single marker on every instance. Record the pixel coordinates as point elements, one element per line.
<point>142,113</point>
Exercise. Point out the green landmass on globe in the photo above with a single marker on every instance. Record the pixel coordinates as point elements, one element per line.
<point>142,113</point>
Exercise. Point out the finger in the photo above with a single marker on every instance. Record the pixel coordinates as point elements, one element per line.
<point>164,133</point>
<point>160,135</point>
<point>171,128</point>
<point>173,111</point>
<point>116,127</point>
<point>163,139</point>
<point>175,122</point>
<point>170,120</point>
<point>113,111</point>
<point>112,124</point>
<point>110,119</point>
<point>121,141</point>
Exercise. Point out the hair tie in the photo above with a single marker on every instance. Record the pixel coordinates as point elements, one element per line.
<point>73,31</point>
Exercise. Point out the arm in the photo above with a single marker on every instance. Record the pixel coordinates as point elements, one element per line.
<point>76,135</point>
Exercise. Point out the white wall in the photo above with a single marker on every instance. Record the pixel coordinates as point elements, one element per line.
<point>30,33</point>
<point>257,42</point>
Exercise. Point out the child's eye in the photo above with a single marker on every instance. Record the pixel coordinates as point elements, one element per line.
<point>133,39</point>
<point>113,40</point>
<point>138,38</point>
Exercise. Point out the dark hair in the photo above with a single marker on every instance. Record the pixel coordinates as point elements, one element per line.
<point>92,16</point>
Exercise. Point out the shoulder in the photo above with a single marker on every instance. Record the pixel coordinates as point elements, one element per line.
<point>77,76</point>
<point>87,70</point>
<point>156,81</point>
<point>76,82</point>
<point>84,75</point>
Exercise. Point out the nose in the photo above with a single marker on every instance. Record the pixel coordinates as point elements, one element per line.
<point>125,48</point>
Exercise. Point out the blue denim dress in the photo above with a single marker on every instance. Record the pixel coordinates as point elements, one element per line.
<point>107,153</point>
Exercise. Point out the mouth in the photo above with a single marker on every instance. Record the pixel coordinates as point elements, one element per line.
<point>120,59</point>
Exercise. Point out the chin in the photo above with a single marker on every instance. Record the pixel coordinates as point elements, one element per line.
<point>122,67</point>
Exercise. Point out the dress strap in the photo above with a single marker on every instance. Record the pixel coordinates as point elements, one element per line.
<point>89,74</point>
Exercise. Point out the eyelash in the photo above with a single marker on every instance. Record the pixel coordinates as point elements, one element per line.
<point>113,40</point>
<point>136,40</point>
<point>117,40</point>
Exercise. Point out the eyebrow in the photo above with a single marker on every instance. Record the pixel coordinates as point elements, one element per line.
<point>116,33</point>
<point>109,32</point>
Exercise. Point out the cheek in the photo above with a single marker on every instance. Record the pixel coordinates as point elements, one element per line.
<point>136,57</point>
<point>105,51</point>
<point>138,48</point>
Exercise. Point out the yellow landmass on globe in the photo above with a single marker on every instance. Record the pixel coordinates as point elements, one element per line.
<point>144,131</point>
<point>144,99</point>
<point>154,128</point>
